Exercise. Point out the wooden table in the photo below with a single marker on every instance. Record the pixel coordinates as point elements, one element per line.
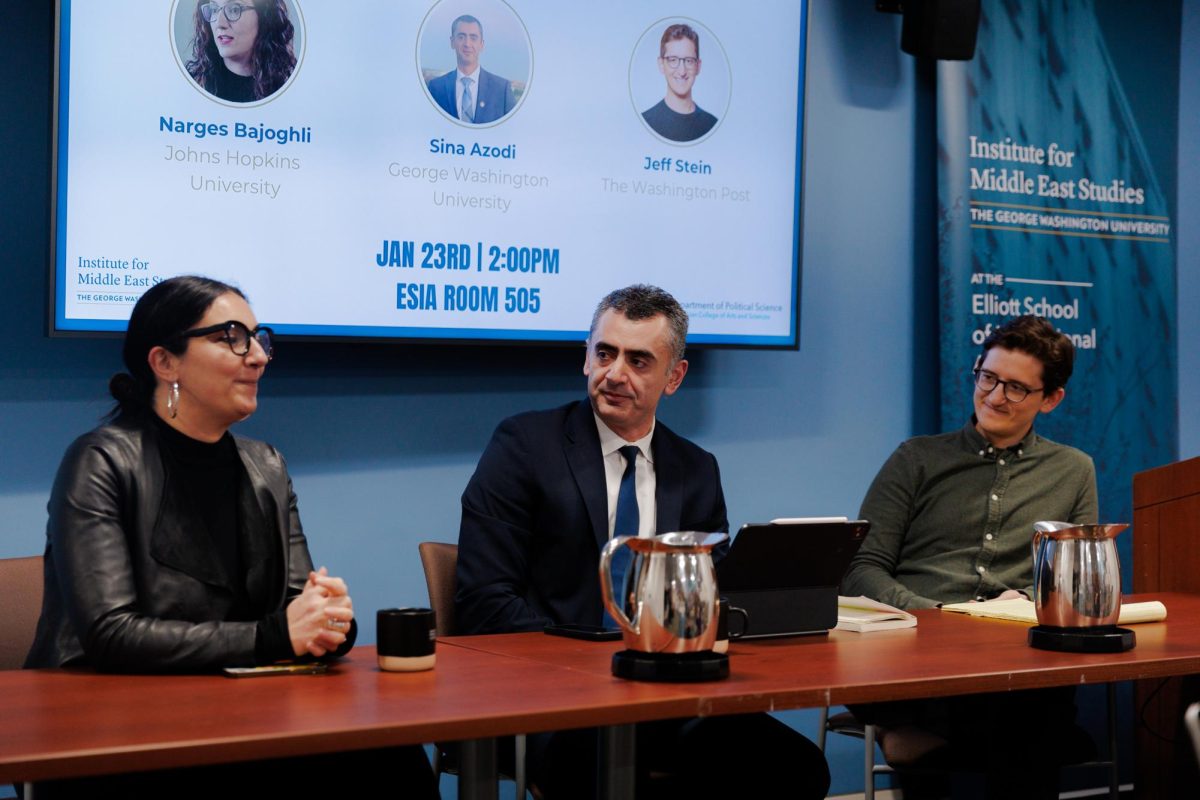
<point>946,654</point>
<point>65,724</point>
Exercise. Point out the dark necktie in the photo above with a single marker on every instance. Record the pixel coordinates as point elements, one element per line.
<point>627,520</point>
<point>625,524</point>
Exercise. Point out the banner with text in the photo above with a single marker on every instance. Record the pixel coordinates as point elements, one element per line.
<point>1057,193</point>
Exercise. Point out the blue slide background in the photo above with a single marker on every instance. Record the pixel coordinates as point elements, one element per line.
<point>304,226</point>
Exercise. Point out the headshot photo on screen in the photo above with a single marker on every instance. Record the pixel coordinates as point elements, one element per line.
<point>484,74</point>
<point>665,81</point>
<point>238,52</point>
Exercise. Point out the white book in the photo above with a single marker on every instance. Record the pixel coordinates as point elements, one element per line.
<point>864,615</point>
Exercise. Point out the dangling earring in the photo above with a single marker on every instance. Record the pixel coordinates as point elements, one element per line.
<point>173,399</point>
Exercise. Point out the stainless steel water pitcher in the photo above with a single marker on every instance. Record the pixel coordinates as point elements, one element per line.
<point>667,602</point>
<point>1076,574</point>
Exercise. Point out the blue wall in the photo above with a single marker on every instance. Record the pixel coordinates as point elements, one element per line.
<point>382,439</point>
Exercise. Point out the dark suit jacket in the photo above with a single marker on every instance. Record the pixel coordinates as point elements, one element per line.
<point>535,515</point>
<point>131,583</point>
<point>493,97</point>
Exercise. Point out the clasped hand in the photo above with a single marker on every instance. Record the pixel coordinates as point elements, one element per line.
<point>319,617</point>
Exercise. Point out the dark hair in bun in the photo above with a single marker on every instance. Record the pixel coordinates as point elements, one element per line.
<point>166,310</point>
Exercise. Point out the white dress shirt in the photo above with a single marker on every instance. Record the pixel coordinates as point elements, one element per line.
<point>614,469</point>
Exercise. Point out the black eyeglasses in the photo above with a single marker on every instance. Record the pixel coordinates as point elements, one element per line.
<point>1014,392</point>
<point>233,11</point>
<point>236,335</point>
<point>673,62</point>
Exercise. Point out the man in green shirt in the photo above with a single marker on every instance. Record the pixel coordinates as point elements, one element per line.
<point>952,515</point>
<point>951,521</point>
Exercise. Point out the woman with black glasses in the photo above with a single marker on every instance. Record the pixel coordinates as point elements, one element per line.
<point>242,49</point>
<point>174,546</point>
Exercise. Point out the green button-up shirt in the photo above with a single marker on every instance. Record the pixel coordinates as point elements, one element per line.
<point>952,517</point>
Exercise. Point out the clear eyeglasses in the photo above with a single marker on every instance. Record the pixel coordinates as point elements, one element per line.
<point>674,61</point>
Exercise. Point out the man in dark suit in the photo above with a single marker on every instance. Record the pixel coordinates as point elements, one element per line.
<point>470,93</point>
<point>550,490</point>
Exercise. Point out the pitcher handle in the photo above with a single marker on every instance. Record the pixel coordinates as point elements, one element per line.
<point>606,582</point>
<point>1036,545</point>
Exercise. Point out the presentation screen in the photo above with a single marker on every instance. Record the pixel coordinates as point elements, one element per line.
<point>456,170</point>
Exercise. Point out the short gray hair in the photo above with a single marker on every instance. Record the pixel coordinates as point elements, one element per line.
<point>642,301</point>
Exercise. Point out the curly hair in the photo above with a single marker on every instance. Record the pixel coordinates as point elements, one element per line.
<point>273,60</point>
<point>1035,336</point>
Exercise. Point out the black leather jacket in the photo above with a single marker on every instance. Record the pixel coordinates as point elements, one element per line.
<point>131,582</point>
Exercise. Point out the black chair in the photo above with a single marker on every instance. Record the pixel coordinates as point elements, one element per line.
<point>919,751</point>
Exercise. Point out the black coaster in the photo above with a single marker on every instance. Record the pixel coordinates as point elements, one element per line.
<point>1102,639</point>
<point>670,667</point>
